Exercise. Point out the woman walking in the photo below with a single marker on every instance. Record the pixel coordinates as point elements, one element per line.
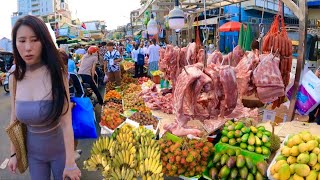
<point>41,101</point>
<point>154,55</point>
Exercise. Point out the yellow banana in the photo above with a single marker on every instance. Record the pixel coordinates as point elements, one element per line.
<point>158,169</point>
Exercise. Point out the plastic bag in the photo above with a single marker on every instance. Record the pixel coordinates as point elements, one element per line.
<point>308,95</point>
<point>105,79</point>
<point>83,119</point>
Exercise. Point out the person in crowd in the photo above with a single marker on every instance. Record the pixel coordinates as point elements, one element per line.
<point>145,48</point>
<point>112,64</point>
<point>121,49</point>
<point>41,101</point>
<point>255,45</point>
<point>80,50</point>
<point>154,54</point>
<point>138,69</point>
<point>314,116</point>
<point>66,61</point>
<point>211,49</point>
<point>102,51</point>
<point>71,65</point>
<point>88,68</point>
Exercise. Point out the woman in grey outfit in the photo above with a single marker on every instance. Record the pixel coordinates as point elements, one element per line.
<point>41,101</point>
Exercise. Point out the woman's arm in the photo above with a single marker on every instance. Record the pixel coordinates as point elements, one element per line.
<point>66,125</point>
<point>93,70</point>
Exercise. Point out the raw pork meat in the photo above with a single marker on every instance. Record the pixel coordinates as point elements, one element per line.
<point>267,78</point>
<point>191,53</point>
<point>215,58</point>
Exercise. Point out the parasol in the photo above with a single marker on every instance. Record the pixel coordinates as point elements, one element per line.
<point>230,26</point>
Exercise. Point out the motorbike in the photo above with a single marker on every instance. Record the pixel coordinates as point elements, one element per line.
<point>6,83</point>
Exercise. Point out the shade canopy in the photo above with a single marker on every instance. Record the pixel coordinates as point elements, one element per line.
<point>230,26</point>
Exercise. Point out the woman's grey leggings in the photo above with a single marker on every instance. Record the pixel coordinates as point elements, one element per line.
<point>46,153</point>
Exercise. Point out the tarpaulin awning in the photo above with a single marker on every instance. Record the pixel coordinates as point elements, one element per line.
<point>230,26</point>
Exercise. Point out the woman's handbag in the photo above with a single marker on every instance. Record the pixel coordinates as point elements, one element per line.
<point>83,119</point>
<point>17,135</point>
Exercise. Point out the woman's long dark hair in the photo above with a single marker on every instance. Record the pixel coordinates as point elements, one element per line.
<point>50,57</point>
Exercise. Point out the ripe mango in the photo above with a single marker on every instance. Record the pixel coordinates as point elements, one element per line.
<point>249,162</point>
<point>265,138</point>
<point>303,147</point>
<point>258,141</point>
<point>292,168</point>
<point>297,139</point>
<point>316,167</point>
<point>243,172</point>
<point>302,170</point>
<point>240,161</point>
<point>251,139</point>
<point>303,158</point>
<point>245,138</point>
<point>237,133</point>
<point>290,143</point>
<point>276,176</point>
<point>262,168</point>
<point>294,151</point>
<point>312,176</point>
<point>250,177</point>
<point>258,150</point>
<point>297,177</point>
<point>306,137</point>
<point>280,157</point>
<point>279,164</point>
<point>316,150</point>
<point>224,172</point>
<point>312,144</point>
<point>234,173</point>
<point>313,159</point>
<point>259,176</point>
<point>272,170</point>
<point>253,129</point>
<point>285,151</point>
<point>291,160</point>
<point>284,172</point>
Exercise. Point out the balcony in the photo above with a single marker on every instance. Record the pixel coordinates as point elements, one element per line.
<point>270,6</point>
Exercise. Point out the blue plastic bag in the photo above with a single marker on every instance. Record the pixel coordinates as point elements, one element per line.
<point>83,119</point>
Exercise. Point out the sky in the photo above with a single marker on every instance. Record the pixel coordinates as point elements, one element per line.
<point>114,12</point>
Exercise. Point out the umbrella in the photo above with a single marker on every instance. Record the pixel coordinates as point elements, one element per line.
<point>230,26</point>
<point>248,38</point>
<point>241,36</point>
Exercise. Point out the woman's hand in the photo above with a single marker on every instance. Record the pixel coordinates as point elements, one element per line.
<point>13,164</point>
<point>72,174</point>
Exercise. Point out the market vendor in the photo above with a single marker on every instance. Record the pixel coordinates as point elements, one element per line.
<point>112,64</point>
<point>314,116</point>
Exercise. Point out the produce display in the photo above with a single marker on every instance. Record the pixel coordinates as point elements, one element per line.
<point>254,139</point>
<point>132,88</point>
<point>110,86</point>
<point>187,157</point>
<point>126,80</point>
<point>132,101</point>
<point>114,105</point>
<point>145,119</point>
<point>111,118</point>
<point>126,157</point>
<point>156,73</point>
<point>231,164</point>
<point>127,65</point>
<point>299,158</point>
<point>112,94</point>
<point>142,80</point>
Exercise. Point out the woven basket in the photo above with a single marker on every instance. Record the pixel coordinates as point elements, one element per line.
<point>17,134</point>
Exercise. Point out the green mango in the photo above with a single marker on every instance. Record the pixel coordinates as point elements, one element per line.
<point>268,133</point>
<point>249,162</point>
<point>224,159</point>
<point>250,148</point>
<point>245,129</point>
<point>230,134</point>
<point>262,167</point>
<point>238,133</point>
<point>265,150</point>
<point>231,152</point>
<point>259,134</point>
<point>239,140</point>
<point>240,161</point>
<point>253,129</point>
<point>258,141</point>
<point>261,128</point>
<point>251,140</point>
<point>265,139</point>
<point>243,172</point>
<point>243,145</point>
<point>224,172</point>
<point>267,144</point>
<point>312,175</point>
<point>231,127</point>
<point>245,138</point>
<point>259,176</point>
<point>216,157</point>
<point>250,177</point>
<point>238,152</point>
<point>280,157</point>
<point>239,125</point>
<point>224,132</point>
<point>234,173</point>
<point>254,169</point>
<point>232,142</point>
<point>225,139</point>
<point>228,123</point>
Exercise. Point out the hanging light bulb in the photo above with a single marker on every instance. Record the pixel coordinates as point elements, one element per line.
<point>152,26</point>
<point>176,17</point>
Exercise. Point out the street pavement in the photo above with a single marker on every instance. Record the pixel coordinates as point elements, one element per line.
<point>84,145</point>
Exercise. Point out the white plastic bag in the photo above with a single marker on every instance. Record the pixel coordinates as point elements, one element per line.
<point>308,95</point>
<point>105,79</point>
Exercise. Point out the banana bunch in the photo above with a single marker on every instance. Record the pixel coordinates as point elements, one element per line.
<point>125,146</point>
<point>126,129</point>
<point>153,177</point>
<point>149,142</point>
<point>142,132</point>
<point>150,166</point>
<point>95,162</point>
<point>149,152</point>
<point>125,137</point>
<point>122,174</point>
<point>124,158</point>
<point>103,145</point>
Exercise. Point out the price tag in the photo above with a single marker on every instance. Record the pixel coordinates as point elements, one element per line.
<point>111,62</point>
<point>268,115</point>
<point>150,127</point>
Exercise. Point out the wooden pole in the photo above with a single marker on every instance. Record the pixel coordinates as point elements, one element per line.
<point>302,13</point>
